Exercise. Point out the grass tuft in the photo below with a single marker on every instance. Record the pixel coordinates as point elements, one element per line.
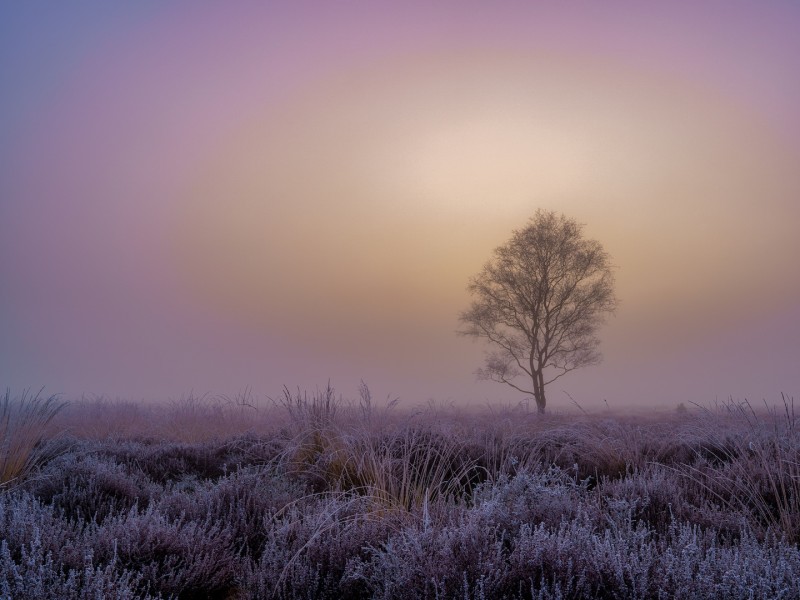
<point>755,468</point>
<point>23,428</point>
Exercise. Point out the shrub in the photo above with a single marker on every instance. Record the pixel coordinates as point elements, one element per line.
<point>309,545</point>
<point>175,557</point>
<point>246,501</point>
<point>37,577</point>
<point>92,487</point>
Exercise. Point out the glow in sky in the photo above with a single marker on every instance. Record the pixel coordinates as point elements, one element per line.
<point>212,197</point>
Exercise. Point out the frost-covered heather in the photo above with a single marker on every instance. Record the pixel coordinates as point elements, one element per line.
<point>318,498</point>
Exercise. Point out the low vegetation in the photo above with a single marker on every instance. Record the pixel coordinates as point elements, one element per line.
<point>23,426</point>
<point>315,497</point>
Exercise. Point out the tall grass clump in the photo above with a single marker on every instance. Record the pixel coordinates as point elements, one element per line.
<point>353,448</point>
<point>317,411</point>
<point>23,428</point>
<point>754,467</point>
<point>410,468</point>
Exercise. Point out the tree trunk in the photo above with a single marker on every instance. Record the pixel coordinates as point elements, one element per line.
<point>538,391</point>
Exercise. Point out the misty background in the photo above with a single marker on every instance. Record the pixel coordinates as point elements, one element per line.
<point>208,198</point>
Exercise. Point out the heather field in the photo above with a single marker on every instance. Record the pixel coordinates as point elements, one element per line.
<point>315,496</point>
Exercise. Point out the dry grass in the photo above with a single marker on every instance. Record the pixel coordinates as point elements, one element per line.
<point>401,463</point>
<point>750,461</point>
<point>410,468</point>
<point>23,428</point>
<point>190,418</point>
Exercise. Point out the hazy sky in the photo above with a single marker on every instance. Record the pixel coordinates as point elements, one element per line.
<point>208,196</point>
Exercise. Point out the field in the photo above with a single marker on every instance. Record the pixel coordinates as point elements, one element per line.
<point>315,496</point>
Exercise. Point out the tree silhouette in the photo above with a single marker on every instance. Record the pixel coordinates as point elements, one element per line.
<point>540,301</point>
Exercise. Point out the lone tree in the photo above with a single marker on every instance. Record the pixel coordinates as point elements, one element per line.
<point>540,301</point>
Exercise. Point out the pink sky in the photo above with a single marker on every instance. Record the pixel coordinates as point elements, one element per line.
<point>206,198</point>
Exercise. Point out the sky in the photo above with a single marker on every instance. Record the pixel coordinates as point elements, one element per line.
<point>212,196</point>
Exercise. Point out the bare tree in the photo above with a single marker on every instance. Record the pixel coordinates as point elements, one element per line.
<point>540,301</point>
